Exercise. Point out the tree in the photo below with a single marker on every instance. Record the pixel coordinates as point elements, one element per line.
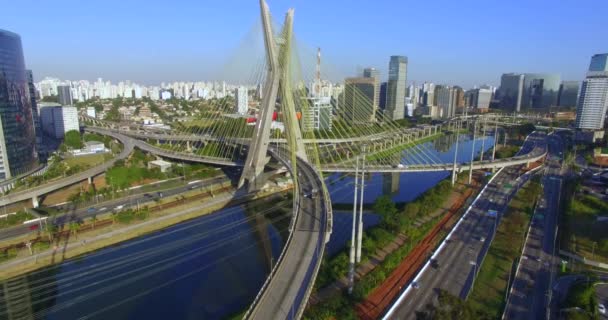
<point>72,139</point>
<point>74,227</point>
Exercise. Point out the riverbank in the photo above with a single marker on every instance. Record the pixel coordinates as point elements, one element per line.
<point>74,244</point>
<point>393,244</point>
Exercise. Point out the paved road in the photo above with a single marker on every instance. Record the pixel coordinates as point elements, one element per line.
<point>286,294</point>
<point>529,295</point>
<point>456,263</point>
<point>108,206</point>
<point>128,145</point>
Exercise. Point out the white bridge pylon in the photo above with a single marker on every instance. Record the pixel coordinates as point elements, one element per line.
<point>277,77</point>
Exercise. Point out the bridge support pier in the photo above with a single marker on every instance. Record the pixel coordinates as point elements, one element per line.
<point>35,202</point>
<point>90,180</point>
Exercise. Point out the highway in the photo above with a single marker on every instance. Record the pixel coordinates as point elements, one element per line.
<point>35,192</point>
<point>529,294</point>
<point>108,206</point>
<point>455,264</point>
<point>286,291</point>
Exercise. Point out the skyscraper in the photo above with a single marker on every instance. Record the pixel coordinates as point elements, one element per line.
<point>568,94</point>
<point>357,105</point>
<point>35,115</point>
<point>593,101</point>
<point>242,100</point>
<point>511,91</point>
<point>540,90</point>
<point>446,100</point>
<point>374,74</point>
<point>395,92</point>
<point>17,136</point>
<point>64,93</point>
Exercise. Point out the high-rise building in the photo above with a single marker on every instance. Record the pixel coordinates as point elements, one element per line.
<point>318,116</point>
<point>64,94</point>
<point>599,62</point>
<point>395,91</point>
<point>17,134</point>
<point>540,90</point>
<point>57,120</point>
<point>373,73</point>
<point>357,105</point>
<point>593,100</point>
<point>446,101</point>
<point>242,100</point>
<point>511,91</point>
<point>35,115</point>
<point>478,98</point>
<point>568,94</point>
<point>382,98</point>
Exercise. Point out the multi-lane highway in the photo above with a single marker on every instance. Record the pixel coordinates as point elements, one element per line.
<point>530,293</point>
<point>108,206</point>
<point>455,264</point>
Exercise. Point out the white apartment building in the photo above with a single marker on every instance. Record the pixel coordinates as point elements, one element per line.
<point>56,120</point>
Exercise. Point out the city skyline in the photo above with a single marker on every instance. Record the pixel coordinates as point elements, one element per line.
<point>160,44</point>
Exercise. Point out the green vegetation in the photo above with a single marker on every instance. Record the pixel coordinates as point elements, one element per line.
<point>87,161</point>
<point>487,297</point>
<point>15,219</point>
<point>127,216</point>
<point>451,307</point>
<point>8,254</point>
<point>393,223</point>
<point>506,152</point>
<point>581,232</point>
<point>72,139</point>
<point>582,295</point>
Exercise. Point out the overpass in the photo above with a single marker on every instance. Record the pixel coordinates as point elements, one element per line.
<point>35,192</point>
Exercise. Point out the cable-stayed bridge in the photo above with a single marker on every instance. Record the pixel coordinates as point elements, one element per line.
<point>357,132</point>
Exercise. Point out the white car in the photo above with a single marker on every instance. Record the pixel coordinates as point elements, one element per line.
<point>601,308</point>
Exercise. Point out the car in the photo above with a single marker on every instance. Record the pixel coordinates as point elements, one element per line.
<point>103,209</point>
<point>434,264</point>
<point>482,239</point>
<point>91,209</point>
<point>601,308</point>
<point>415,285</point>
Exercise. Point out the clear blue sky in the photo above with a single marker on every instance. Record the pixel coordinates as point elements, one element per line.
<point>454,42</point>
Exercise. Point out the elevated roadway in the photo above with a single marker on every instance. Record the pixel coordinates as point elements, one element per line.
<point>35,192</point>
<point>285,293</point>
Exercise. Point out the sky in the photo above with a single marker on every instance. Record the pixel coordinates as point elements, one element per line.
<point>465,43</point>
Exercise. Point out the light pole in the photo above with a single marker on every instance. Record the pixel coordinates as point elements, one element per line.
<point>360,228</point>
<point>351,270</point>
<point>455,154</point>
<point>472,152</point>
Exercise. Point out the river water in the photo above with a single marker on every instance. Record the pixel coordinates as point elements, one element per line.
<point>207,268</point>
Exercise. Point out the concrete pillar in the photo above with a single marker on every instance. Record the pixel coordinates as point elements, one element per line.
<point>90,180</point>
<point>35,203</point>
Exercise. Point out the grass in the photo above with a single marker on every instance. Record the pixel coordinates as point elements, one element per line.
<point>491,284</point>
<point>582,234</point>
<point>15,219</point>
<point>506,152</point>
<point>88,160</point>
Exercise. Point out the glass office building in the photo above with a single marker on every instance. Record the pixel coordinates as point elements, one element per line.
<point>17,135</point>
<point>395,91</point>
<point>540,90</point>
